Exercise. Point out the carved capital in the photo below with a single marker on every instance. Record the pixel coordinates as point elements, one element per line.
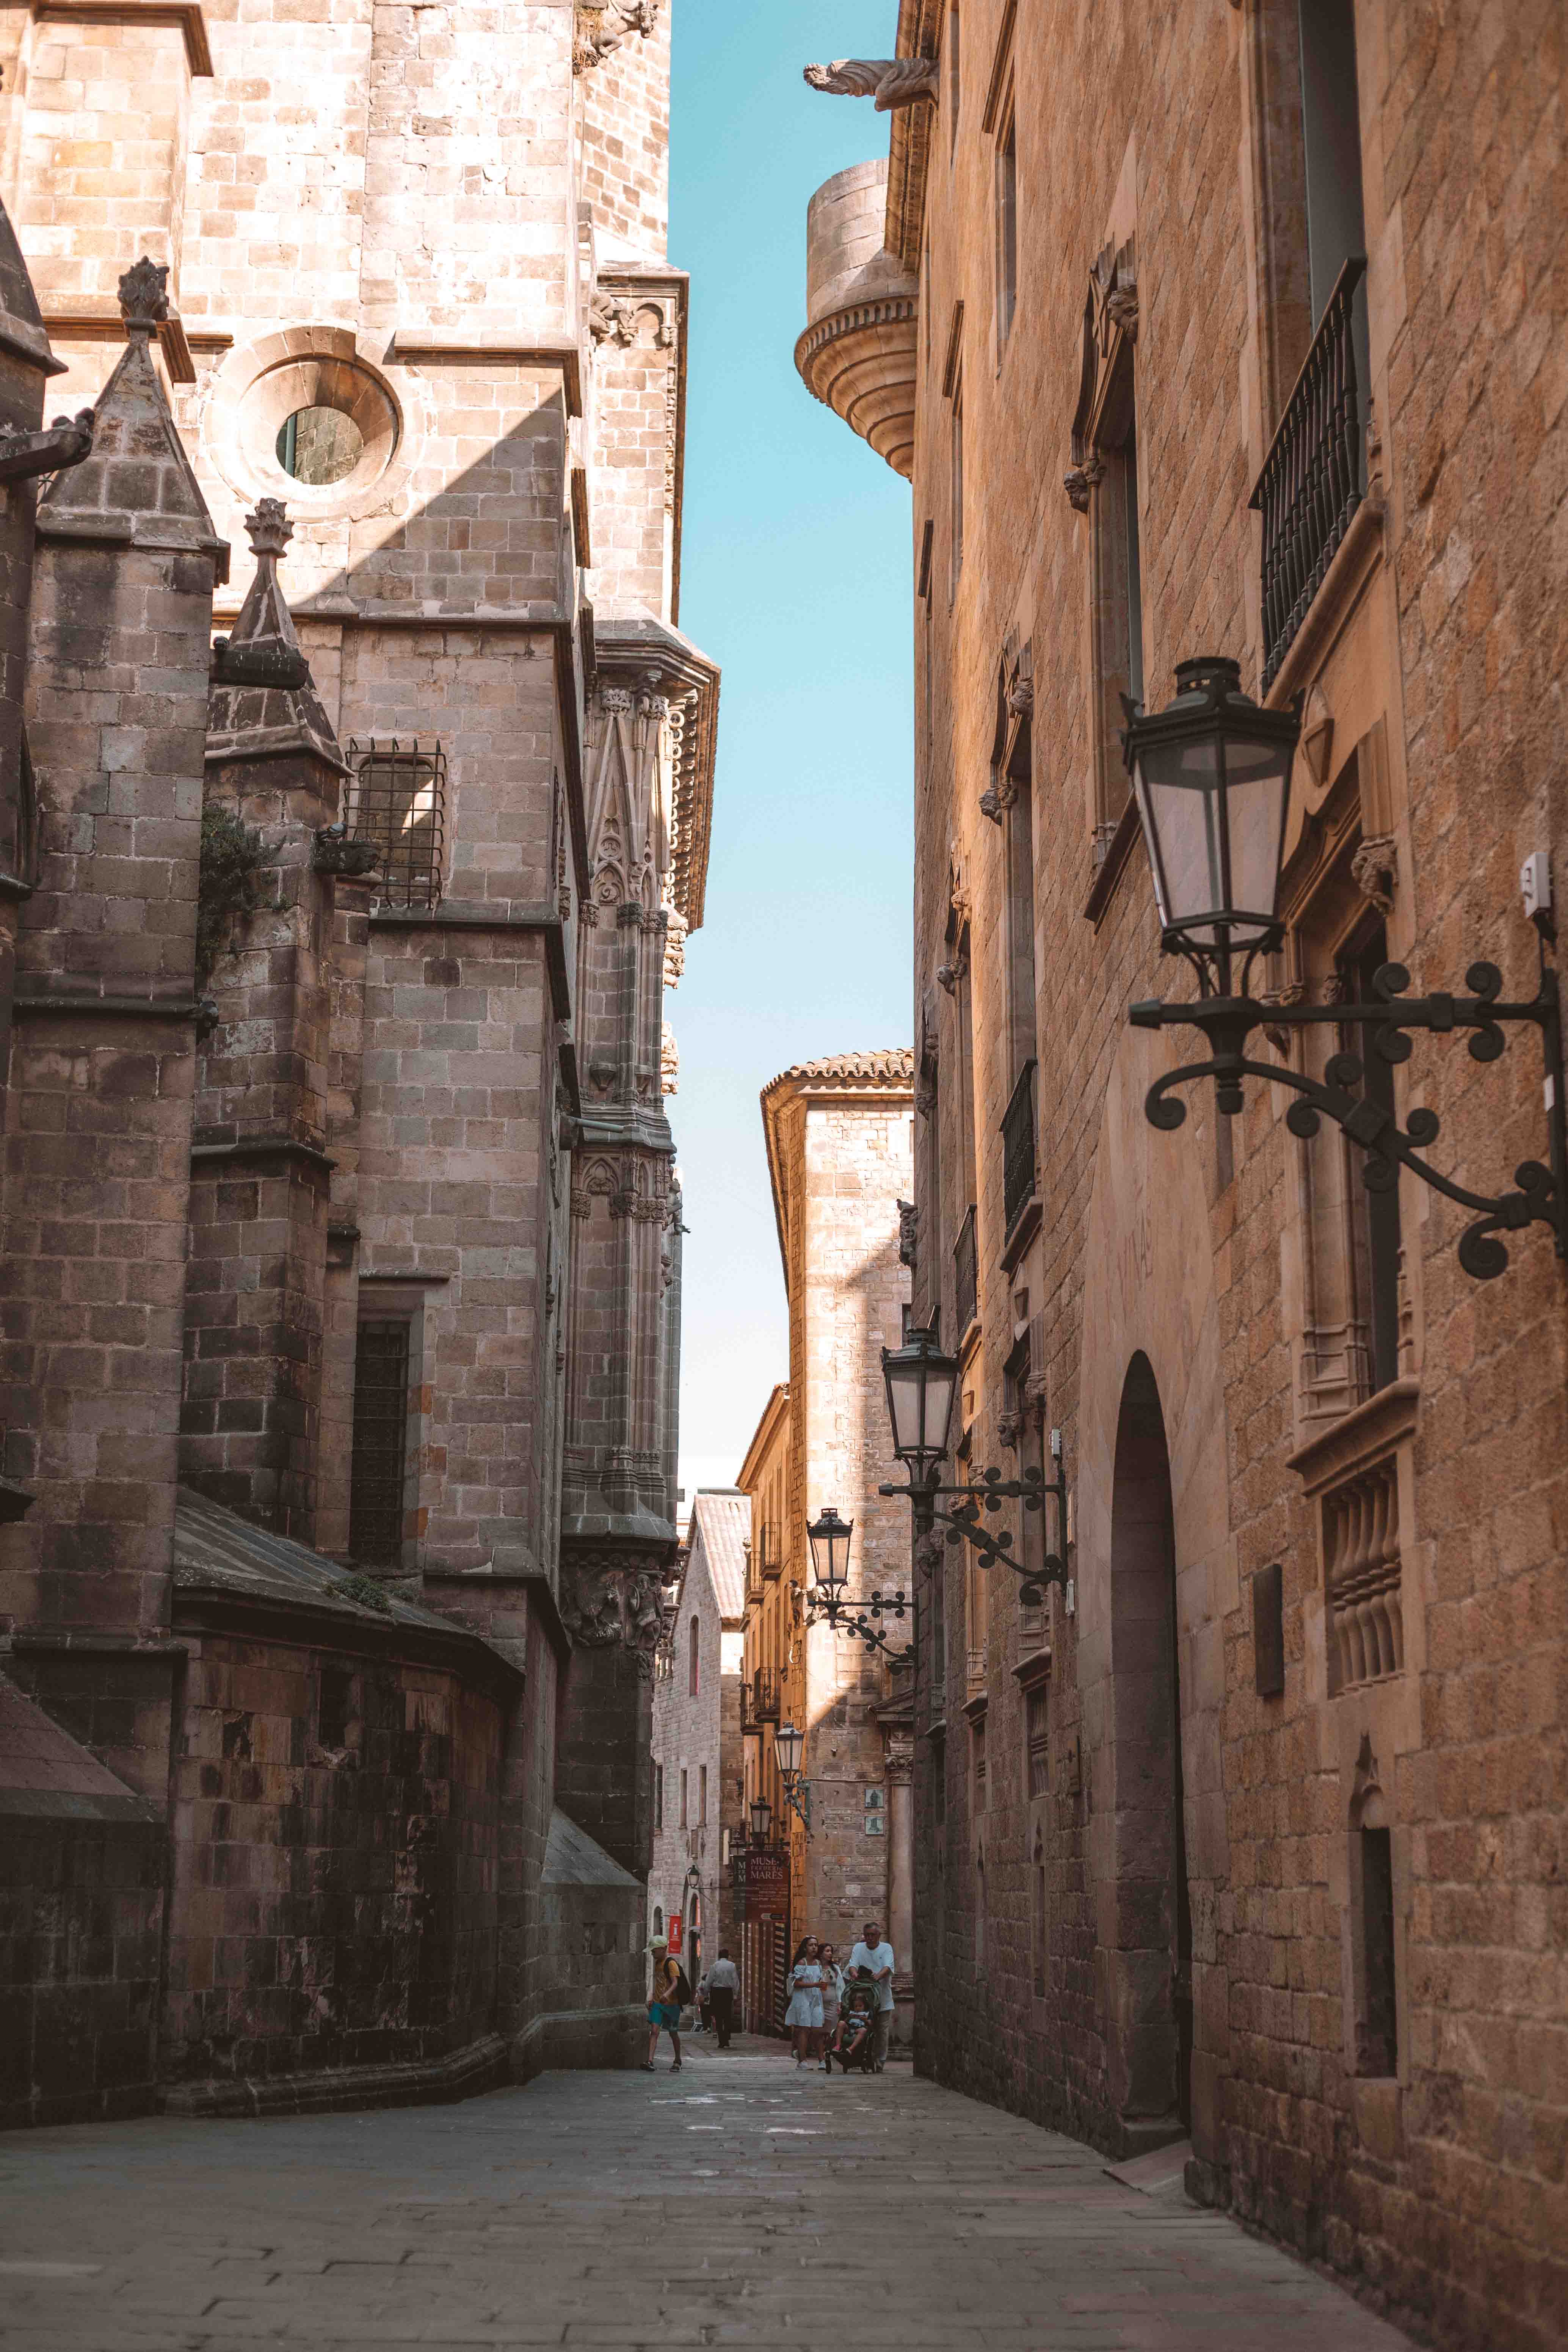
<point>900,1759</point>
<point>1021,698</point>
<point>892,82</point>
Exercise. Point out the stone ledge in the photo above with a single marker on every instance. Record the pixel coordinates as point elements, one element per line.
<point>483,2065</point>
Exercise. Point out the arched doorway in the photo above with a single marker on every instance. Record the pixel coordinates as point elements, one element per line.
<point>1151,1965</point>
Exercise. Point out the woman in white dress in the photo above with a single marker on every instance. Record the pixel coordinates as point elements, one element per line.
<point>804,2015</point>
<point>832,1994</point>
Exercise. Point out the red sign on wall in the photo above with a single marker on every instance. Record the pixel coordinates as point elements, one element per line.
<point>677,1928</point>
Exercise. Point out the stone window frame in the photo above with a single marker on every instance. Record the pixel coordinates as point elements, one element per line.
<point>1338,875</point>
<point>1370,1809</point>
<point>250,394</point>
<point>417,1301</point>
<point>1103,424</point>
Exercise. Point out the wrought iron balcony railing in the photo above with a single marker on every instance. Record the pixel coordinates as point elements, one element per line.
<point>765,1696</point>
<point>965,1274</point>
<point>1314,478</point>
<point>1020,1164</point>
<point>772,1547</point>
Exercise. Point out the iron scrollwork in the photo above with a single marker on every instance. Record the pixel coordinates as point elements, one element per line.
<point>1541,1190</point>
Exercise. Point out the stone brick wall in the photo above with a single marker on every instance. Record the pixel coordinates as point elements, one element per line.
<point>1182,1268</point>
<point>370,1779</point>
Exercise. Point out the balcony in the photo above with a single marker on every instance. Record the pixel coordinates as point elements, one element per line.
<point>772,1550</point>
<point>1314,478</point>
<point>765,1696</point>
<point>1020,1161</point>
<point>753,1574</point>
<point>966,1275</point>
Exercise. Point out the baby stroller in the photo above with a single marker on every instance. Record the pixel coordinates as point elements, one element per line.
<point>852,2044</point>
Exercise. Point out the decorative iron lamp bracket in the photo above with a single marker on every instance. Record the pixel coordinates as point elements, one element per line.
<point>1227,1022</point>
<point>963,1523</point>
<point>797,1797</point>
<point>855,1617</point>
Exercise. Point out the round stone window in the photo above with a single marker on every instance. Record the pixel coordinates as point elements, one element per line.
<point>317,428</point>
<point>318,445</point>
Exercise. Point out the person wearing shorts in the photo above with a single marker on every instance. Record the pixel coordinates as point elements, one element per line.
<point>664,2004</point>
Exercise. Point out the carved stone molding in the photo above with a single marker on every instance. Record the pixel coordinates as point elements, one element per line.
<point>892,82</point>
<point>1110,322</point>
<point>1372,870</point>
<point>899,1757</point>
<point>674,948</point>
<point>603,24</point>
<point>668,1062</point>
<point>609,1603</point>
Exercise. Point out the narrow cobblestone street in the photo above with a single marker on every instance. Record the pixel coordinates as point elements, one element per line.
<point>738,2203</point>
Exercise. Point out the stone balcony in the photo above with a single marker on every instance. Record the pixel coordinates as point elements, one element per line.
<point>858,354</point>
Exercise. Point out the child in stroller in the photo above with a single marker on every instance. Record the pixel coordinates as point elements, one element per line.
<point>852,2044</point>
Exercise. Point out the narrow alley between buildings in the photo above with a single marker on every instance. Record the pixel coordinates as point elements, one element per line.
<point>737,2204</point>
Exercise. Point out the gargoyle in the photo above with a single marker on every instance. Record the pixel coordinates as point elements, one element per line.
<point>892,82</point>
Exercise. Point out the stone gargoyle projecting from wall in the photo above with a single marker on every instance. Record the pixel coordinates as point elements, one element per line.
<point>892,82</point>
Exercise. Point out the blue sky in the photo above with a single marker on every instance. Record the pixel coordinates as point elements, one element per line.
<point>795,579</point>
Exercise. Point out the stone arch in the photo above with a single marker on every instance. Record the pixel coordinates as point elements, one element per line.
<point>1149,1965</point>
<point>1150,1291</point>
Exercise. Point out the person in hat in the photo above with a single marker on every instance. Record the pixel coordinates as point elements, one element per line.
<point>664,2003</point>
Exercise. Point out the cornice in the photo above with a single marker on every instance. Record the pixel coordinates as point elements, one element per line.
<point>910,145</point>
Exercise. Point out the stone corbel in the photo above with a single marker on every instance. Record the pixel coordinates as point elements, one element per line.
<point>608,1603</point>
<point>603,24</point>
<point>892,82</point>
<point>909,1223</point>
<point>1080,482</point>
<point>1372,870</point>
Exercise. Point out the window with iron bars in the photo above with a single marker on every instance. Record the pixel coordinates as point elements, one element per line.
<point>398,798</point>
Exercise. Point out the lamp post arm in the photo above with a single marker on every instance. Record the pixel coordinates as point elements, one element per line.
<point>1541,1196</point>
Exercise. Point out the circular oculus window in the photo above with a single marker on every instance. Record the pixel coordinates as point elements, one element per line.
<point>318,429</point>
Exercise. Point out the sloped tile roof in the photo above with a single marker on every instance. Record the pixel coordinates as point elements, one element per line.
<point>893,1065</point>
<point>722,1522</point>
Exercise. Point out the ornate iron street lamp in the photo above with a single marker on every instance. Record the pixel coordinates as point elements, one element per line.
<point>829,1537</point>
<point>922,1388</point>
<point>762,1814</point>
<point>789,1741</point>
<point>1211,774</point>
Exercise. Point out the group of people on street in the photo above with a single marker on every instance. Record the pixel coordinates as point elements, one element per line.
<point>817,1985</point>
<point>816,1991</point>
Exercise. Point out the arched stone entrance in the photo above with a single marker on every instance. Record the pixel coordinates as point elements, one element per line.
<point>1155,1567</point>
<point>1150,1966</point>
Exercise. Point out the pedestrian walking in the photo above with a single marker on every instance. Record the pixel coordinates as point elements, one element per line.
<point>877,1958</point>
<point>832,1994</point>
<point>670,1990</point>
<point>723,1984</point>
<point>804,2015</point>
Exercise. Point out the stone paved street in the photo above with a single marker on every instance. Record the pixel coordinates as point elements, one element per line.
<point>738,2203</point>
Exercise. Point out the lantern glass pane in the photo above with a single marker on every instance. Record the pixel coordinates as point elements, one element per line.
<point>1257,776</point>
<point>1181,805</point>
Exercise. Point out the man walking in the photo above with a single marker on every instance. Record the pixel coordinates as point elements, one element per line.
<point>877,1958</point>
<point>723,1984</point>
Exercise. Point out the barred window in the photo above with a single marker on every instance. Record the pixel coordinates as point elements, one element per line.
<point>1037,1739</point>
<point>380,1443</point>
<point>398,798</point>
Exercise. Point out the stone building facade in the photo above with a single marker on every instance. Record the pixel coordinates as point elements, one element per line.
<point>838,1142</point>
<point>698,1813</point>
<point>341,1234</point>
<point>1253,1834</point>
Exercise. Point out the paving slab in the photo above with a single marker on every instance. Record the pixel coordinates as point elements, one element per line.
<point>742,2202</point>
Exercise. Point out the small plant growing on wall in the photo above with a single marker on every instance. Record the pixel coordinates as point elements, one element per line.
<point>233,856</point>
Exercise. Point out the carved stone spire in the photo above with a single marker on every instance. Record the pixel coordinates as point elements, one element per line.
<point>263,703</point>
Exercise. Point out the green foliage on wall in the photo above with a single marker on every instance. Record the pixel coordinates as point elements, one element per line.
<point>233,855</point>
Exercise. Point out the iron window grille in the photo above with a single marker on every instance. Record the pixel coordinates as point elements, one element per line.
<point>398,799</point>
<point>1019,1163</point>
<point>965,1274</point>
<point>379,1445</point>
<point>1314,478</point>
